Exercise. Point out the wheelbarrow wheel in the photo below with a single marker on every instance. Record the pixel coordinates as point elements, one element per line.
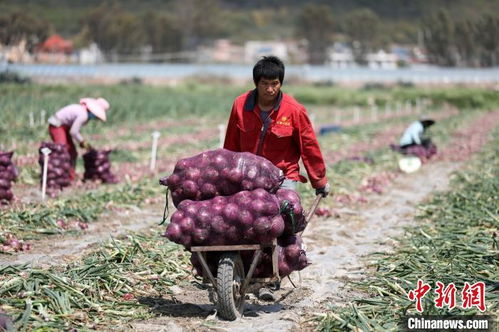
<point>230,277</point>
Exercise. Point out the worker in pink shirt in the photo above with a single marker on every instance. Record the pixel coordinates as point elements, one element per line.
<point>65,125</point>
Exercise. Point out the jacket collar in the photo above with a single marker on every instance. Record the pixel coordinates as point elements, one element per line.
<point>250,102</point>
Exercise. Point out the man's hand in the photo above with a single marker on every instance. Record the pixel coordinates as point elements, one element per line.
<point>324,191</point>
<point>85,145</point>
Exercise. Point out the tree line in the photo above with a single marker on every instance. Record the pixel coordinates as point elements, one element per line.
<point>473,43</point>
<point>188,24</point>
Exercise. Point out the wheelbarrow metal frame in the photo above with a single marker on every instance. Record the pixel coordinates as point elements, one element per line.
<point>258,248</point>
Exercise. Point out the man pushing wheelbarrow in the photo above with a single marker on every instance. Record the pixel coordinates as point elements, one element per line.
<point>270,123</point>
<point>237,208</point>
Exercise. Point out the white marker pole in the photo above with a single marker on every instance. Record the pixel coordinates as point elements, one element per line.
<point>221,135</point>
<point>155,135</point>
<point>42,118</point>
<point>46,152</point>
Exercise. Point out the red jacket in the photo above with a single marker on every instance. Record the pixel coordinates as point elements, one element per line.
<point>288,137</point>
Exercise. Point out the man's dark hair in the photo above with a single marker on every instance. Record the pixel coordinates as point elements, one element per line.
<point>268,67</point>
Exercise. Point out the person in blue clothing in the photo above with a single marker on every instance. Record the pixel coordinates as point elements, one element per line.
<point>415,134</point>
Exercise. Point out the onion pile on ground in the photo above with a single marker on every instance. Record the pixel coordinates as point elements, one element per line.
<point>98,166</point>
<point>323,212</point>
<point>58,166</point>
<point>422,152</point>
<point>10,243</point>
<point>8,173</point>
<point>230,214</point>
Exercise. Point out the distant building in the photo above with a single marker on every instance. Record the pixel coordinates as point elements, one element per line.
<point>90,55</point>
<point>340,56</point>
<point>15,53</point>
<point>222,51</point>
<point>382,60</point>
<point>341,60</point>
<point>56,44</point>
<point>55,49</point>
<point>403,53</point>
<point>409,54</point>
<point>419,55</point>
<point>254,50</point>
<point>297,51</point>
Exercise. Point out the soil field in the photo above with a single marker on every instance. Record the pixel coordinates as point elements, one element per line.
<point>92,258</point>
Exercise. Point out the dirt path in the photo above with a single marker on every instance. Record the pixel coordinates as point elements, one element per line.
<point>336,246</point>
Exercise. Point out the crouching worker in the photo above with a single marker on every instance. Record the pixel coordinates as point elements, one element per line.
<point>415,134</point>
<point>414,140</point>
<point>272,124</point>
<point>65,125</point>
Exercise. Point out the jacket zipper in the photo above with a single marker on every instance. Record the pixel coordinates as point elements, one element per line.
<point>263,133</point>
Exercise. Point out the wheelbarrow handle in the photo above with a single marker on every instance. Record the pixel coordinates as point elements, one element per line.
<point>312,211</point>
<point>314,207</point>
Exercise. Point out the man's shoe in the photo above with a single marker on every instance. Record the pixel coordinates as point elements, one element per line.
<point>266,294</point>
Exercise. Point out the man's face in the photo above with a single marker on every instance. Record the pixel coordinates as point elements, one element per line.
<point>268,89</point>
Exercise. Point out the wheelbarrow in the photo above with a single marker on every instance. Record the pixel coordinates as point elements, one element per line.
<point>231,283</point>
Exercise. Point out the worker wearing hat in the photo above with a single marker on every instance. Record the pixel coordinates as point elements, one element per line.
<point>414,134</point>
<point>65,125</point>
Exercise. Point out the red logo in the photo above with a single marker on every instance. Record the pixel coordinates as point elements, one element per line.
<point>446,296</point>
<point>418,294</point>
<point>472,295</point>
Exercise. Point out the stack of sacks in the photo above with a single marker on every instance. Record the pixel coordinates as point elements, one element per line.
<point>246,217</point>
<point>232,214</point>
<point>58,166</point>
<point>98,166</point>
<point>8,173</point>
<point>221,173</point>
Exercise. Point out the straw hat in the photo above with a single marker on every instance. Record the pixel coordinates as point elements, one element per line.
<point>97,106</point>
